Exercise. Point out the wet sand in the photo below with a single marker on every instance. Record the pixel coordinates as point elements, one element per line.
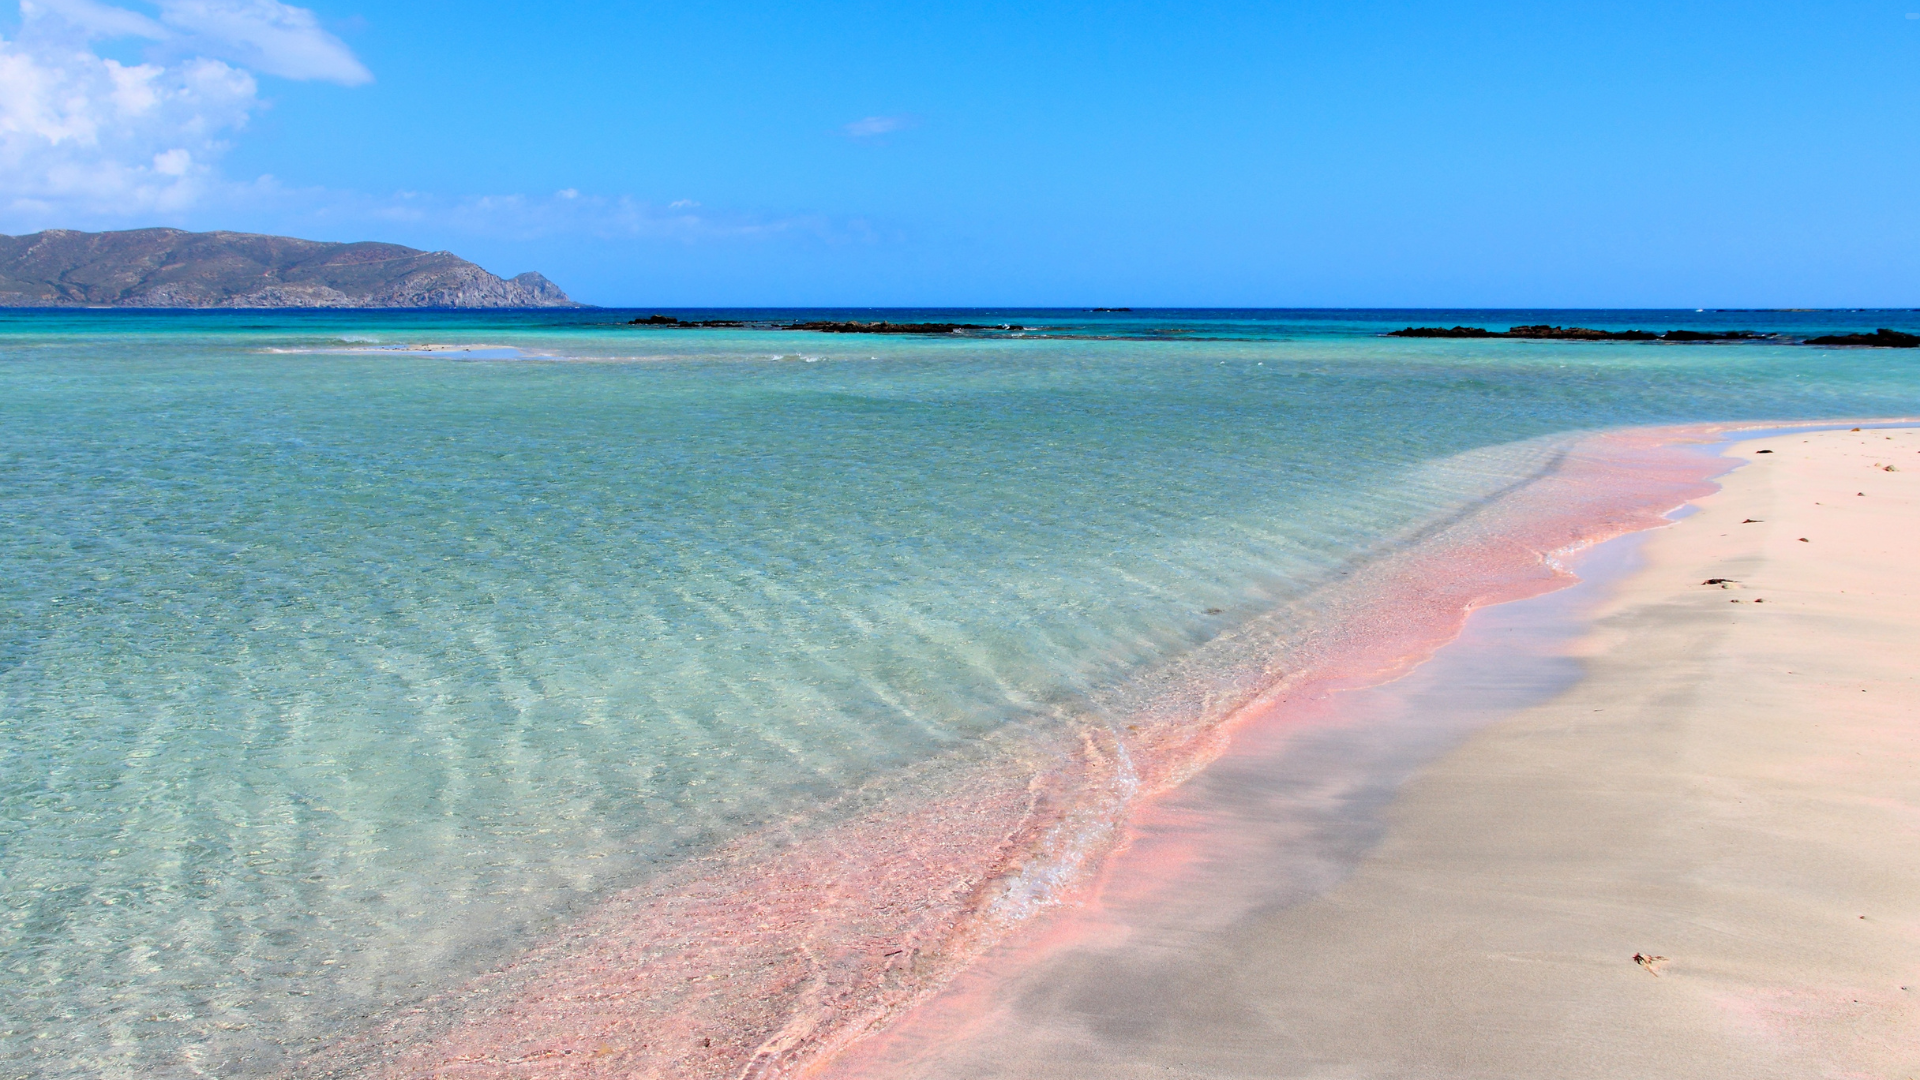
<point>776,952</point>
<point>1699,858</point>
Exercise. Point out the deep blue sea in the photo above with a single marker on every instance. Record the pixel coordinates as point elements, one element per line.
<point>344,653</point>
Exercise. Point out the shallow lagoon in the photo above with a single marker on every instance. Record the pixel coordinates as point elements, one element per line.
<point>331,673</point>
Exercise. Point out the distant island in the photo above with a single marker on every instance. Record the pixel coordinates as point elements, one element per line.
<point>171,268</point>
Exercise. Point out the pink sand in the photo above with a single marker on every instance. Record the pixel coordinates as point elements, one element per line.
<point>774,955</point>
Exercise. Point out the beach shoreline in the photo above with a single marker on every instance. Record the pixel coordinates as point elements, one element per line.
<point>378,714</point>
<point>1564,893</point>
<point>822,937</point>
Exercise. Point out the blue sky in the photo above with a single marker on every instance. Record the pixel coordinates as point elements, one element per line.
<point>1361,154</point>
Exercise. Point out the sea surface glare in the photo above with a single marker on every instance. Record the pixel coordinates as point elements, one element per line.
<point>332,673</point>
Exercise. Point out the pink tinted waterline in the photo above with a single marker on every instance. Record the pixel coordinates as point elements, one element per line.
<point>1192,863</point>
<point>776,953</point>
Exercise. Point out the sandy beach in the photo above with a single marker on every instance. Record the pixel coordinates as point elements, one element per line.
<point>958,542</point>
<point>1701,858</point>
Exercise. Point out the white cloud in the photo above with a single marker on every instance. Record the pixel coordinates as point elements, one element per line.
<point>868,127</point>
<point>84,135</point>
<point>88,140</point>
<point>273,37</point>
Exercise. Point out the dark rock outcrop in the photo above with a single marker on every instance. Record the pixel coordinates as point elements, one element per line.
<point>169,268</point>
<point>670,321</point>
<point>1446,332</point>
<point>1882,338</point>
<point>887,327</point>
<point>1575,333</point>
<point>1713,335</point>
<point>1579,333</point>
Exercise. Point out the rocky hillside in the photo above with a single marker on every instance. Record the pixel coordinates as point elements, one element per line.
<point>168,268</point>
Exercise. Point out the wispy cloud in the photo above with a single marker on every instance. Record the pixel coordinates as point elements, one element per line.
<point>872,126</point>
<point>267,35</point>
<point>570,212</point>
<point>94,19</point>
<point>87,139</point>
<point>426,219</point>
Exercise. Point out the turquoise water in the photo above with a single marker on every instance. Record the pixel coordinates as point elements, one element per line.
<point>330,672</point>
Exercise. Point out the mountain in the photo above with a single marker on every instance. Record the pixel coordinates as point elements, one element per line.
<point>169,268</point>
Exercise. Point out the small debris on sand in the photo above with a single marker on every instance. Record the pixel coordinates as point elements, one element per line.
<point>1752,521</point>
<point>1720,581</point>
<point>1651,963</point>
<point>1763,451</point>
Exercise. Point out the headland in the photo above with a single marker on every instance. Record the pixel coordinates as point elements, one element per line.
<point>170,268</point>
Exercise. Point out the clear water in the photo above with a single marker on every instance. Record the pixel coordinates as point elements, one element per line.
<point>330,672</point>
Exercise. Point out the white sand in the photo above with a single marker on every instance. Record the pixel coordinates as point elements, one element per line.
<point>1734,786</point>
